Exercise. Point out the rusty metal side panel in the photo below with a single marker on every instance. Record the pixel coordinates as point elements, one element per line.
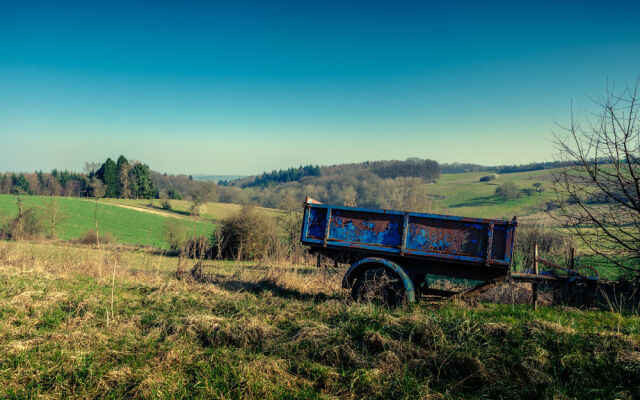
<point>316,223</point>
<point>499,244</point>
<point>373,229</point>
<point>458,238</point>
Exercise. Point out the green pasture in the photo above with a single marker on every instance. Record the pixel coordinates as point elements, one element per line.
<point>463,194</point>
<point>209,211</point>
<point>126,225</point>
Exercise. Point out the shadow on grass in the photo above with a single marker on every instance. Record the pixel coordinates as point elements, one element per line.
<point>172,211</point>
<point>479,201</point>
<point>264,284</point>
<point>276,289</point>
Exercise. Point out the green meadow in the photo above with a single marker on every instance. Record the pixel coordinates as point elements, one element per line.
<point>127,225</point>
<point>211,211</point>
<point>463,194</point>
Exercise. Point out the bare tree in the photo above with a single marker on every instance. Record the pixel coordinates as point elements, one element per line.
<point>91,167</point>
<point>350,195</point>
<point>55,216</point>
<point>124,181</point>
<point>98,191</point>
<point>407,194</point>
<point>599,189</point>
<point>200,195</point>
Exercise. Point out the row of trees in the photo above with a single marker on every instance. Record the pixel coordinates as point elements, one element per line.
<point>456,168</point>
<point>126,180</point>
<point>428,170</point>
<point>55,183</point>
<point>122,179</point>
<point>280,176</point>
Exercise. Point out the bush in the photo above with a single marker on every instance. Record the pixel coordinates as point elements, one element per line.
<point>27,225</point>
<point>247,235</point>
<point>166,204</point>
<point>538,187</point>
<point>197,247</point>
<point>5,227</point>
<point>91,237</point>
<point>551,243</point>
<point>291,246</point>
<point>174,234</point>
<point>508,191</point>
<point>489,178</point>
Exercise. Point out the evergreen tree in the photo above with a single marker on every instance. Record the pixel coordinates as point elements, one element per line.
<point>20,183</point>
<point>144,187</point>
<point>108,174</point>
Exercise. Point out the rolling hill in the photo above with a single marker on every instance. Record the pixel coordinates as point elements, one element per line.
<point>130,224</point>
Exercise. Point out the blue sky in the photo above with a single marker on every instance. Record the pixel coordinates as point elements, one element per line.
<point>243,87</point>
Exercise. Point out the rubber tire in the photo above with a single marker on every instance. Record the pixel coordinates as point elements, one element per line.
<point>390,289</point>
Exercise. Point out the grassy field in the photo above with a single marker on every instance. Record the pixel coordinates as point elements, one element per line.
<point>463,194</point>
<point>280,332</point>
<point>209,211</point>
<point>126,225</point>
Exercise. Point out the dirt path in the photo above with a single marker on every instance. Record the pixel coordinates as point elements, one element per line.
<point>146,210</point>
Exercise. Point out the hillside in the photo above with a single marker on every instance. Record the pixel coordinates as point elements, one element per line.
<point>211,211</point>
<point>457,194</point>
<point>127,225</point>
<point>463,194</point>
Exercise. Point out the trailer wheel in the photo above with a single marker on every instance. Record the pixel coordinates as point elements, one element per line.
<point>378,285</point>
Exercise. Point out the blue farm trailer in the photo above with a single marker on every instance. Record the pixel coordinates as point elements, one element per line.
<point>392,252</point>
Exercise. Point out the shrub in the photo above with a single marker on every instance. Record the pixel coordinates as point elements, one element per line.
<point>5,230</point>
<point>174,234</point>
<point>508,191</point>
<point>550,242</point>
<point>538,187</point>
<point>166,204</point>
<point>247,235</point>
<point>291,246</point>
<point>27,225</point>
<point>489,178</point>
<point>197,247</point>
<point>91,237</point>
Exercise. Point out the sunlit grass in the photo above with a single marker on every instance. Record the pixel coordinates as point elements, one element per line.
<point>126,225</point>
<point>269,332</point>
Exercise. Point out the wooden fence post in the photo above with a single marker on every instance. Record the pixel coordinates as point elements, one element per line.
<point>573,259</point>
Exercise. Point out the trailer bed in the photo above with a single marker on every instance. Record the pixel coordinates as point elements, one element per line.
<point>433,237</point>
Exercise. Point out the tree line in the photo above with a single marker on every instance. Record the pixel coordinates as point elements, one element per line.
<point>280,176</point>
<point>121,179</point>
<point>54,183</point>
<point>428,170</point>
<point>457,168</point>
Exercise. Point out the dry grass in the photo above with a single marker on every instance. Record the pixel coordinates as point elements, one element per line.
<point>280,331</point>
